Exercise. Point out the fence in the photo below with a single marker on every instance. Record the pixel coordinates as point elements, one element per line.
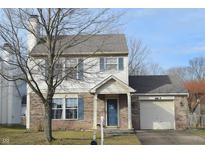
<point>196,121</point>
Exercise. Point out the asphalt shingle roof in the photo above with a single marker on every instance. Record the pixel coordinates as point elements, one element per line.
<point>156,84</point>
<point>98,44</point>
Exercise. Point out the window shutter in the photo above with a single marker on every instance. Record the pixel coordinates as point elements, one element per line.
<point>102,64</point>
<point>80,69</point>
<point>80,108</point>
<point>120,64</point>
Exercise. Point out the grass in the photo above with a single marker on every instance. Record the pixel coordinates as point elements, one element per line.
<point>199,131</point>
<point>18,135</point>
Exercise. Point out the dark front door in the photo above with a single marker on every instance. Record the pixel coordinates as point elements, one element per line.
<point>112,118</point>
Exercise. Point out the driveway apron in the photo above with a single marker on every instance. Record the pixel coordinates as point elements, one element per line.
<point>169,137</point>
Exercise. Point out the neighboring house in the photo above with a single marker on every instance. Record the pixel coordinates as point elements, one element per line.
<point>104,90</point>
<point>11,94</point>
<point>160,102</point>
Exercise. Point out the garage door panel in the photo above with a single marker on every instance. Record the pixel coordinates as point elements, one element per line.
<point>157,115</point>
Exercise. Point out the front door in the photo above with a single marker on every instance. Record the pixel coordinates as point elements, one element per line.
<point>112,114</point>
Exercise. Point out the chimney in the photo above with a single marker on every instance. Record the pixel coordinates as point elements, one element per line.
<point>35,31</point>
<point>7,45</point>
<point>7,51</point>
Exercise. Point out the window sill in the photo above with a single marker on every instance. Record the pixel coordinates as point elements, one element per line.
<point>65,119</point>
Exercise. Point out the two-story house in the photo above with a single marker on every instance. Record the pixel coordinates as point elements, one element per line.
<point>100,89</point>
<point>100,86</point>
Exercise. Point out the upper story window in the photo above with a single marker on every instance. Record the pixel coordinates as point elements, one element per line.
<point>71,68</point>
<point>111,64</point>
<point>74,68</point>
<point>58,71</point>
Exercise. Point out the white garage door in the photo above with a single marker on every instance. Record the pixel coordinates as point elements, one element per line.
<point>157,115</point>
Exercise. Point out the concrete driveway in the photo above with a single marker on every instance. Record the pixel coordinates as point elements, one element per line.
<point>168,137</point>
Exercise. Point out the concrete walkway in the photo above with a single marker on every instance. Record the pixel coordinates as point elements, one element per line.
<point>168,137</point>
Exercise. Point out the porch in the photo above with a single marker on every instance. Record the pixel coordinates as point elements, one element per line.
<point>112,100</point>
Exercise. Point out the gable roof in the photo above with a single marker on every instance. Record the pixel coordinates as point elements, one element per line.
<point>115,79</point>
<point>98,44</point>
<point>154,84</point>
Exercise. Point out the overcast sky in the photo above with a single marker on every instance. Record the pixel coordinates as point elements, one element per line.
<point>174,36</point>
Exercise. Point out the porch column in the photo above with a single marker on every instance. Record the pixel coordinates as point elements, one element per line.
<point>129,111</point>
<point>95,111</point>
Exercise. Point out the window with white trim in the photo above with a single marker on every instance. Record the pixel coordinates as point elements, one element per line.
<point>71,68</point>
<point>57,108</point>
<point>74,68</point>
<point>111,64</point>
<point>71,108</point>
<point>65,108</point>
<point>57,71</point>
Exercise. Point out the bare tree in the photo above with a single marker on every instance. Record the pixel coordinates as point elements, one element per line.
<point>182,73</point>
<point>137,57</point>
<point>138,60</point>
<point>194,71</point>
<point>54,24</point>
<point>193,77</point>
<point>197,68</point>
<point>155,69</point>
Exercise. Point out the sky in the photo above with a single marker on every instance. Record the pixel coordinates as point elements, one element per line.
<point>174,36</point>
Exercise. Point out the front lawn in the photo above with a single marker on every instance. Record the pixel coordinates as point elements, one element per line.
<point>18,135</point>
<point>199,131</point>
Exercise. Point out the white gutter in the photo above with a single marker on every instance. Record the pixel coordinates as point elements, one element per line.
<point>161,94</point>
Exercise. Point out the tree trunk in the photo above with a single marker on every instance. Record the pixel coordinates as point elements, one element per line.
<point>48,121</point>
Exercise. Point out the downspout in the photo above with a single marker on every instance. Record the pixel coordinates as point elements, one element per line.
<point>1,97</point>
<point>18,89</point>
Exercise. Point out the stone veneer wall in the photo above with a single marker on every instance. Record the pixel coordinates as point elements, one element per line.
<point>37,111</point>
<point>181,112</point>
<point>135,112</point>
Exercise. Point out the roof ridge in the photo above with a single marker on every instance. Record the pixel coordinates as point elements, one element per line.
<point>146,75</point>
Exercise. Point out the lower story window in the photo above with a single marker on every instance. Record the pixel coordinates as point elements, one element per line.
<point>65,108</point>
<point>57,108</point>
<point>57,114</point>
<point>71,108</point>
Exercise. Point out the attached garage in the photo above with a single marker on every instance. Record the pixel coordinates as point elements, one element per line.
<point>160,102</point>
<point>157,114</point>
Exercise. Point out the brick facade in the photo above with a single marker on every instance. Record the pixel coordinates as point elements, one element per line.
<point>181,112</point>
<point>37,111</point>
<point>123,112</point>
